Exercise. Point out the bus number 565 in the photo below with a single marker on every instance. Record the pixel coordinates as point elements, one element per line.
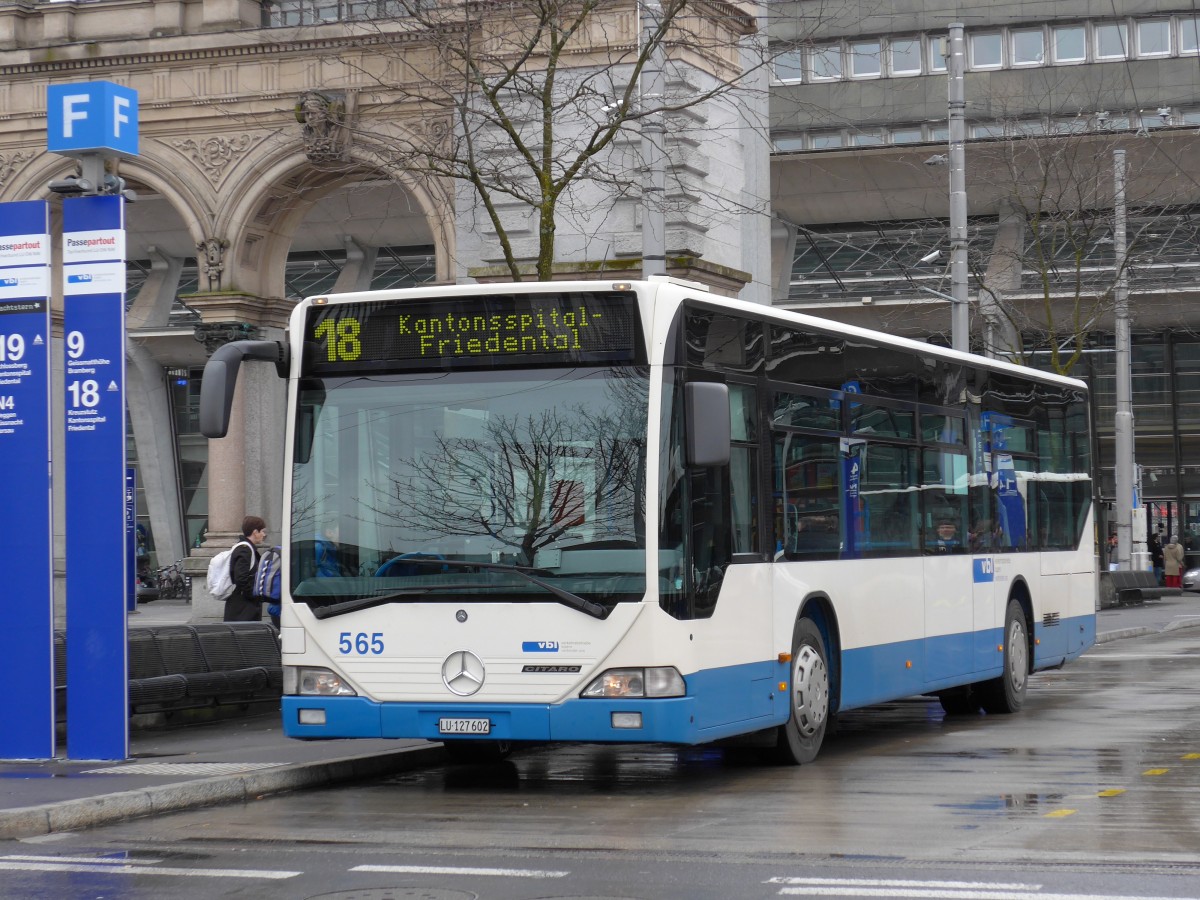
<point>360,643</point>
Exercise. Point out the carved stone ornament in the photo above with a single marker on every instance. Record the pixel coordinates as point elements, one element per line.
<point>214,155</point>
<point>211,256</point>
<point>10,162</point>
<point>323,117</point>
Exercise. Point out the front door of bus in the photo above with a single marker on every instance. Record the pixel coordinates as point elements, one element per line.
<point>949,613</point>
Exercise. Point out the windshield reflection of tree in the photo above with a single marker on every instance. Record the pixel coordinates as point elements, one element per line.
<point>561,477</point>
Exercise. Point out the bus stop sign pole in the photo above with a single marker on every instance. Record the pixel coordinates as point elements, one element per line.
<point>94,122</point>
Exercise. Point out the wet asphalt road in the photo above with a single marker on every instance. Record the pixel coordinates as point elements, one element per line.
<point>1092,791</point>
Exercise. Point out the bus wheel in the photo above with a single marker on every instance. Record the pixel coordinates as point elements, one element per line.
<point>799,740</point>
<point>477,751</point>
<point>1006,694</point>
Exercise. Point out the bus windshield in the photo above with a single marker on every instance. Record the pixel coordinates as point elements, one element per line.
<point>400,481</point>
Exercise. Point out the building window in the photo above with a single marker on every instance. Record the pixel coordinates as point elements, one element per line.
<point>905,54</point>
<point>1027,127</point>
<point>990,130</point>
<point>906,136</point>
<point>1070,44</point>
<point>866,139</point>
<point>939,133</point>
<point>826,140</point>
<point>786,144</point>
<point>1028,47</point>
<point>1189,35</point>
<point>1073,125</point>
<point>789,66</point>
<point>1156,118</point>
<point>1112,41</point>
<point>937,54</point>
<point>986,50</point>
<point>866,59</point>
<point>825,63</point>
<point>1154,37</point>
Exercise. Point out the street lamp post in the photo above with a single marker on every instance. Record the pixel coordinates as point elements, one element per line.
<point>1123,424</point>
<point>960,314</point>
<point>654,185</point>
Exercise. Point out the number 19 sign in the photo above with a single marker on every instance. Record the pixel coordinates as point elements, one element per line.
<point>94,325</point>
<point>27,639</point>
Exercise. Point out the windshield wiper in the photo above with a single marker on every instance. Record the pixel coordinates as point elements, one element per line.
<point>566,597</point>
<point>349,606</point>
<point>572,600</point>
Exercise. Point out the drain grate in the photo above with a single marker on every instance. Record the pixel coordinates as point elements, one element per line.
<point>216,768</point>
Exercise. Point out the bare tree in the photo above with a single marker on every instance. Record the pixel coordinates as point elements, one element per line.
<point>536,106</point>
<point>526,481</point>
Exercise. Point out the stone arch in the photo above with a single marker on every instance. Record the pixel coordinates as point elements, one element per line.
<point>188,204</point>
<point>267,206</point>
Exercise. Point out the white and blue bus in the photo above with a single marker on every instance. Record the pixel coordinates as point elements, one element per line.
<point>639,512</point>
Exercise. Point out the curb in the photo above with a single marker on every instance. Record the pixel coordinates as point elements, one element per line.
<point>1121,633</point>
<point>33,821</point>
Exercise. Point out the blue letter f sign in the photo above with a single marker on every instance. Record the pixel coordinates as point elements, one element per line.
<point>93,117</point>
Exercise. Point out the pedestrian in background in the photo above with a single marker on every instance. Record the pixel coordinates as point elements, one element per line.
<point>241,605</point>
<point>1173,562</point>
<point>1154,545</point>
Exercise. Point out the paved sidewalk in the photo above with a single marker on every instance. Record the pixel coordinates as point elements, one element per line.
<point>244,758</point>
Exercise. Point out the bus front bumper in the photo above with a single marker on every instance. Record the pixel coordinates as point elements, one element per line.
<point>666,720</point>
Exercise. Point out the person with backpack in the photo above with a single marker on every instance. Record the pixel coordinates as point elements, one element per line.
<point>242,605</point>
<point>268,579</point>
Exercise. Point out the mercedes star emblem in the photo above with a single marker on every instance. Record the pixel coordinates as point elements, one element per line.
<point>463,673</point>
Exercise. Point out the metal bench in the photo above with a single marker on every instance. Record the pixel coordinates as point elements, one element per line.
<point>180,667</point>
<point>1139,586</point>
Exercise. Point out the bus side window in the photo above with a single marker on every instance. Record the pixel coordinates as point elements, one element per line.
<point>808,495</point>
<point>743,468</point>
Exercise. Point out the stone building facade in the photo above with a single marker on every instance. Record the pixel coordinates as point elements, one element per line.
<point>263,175</point>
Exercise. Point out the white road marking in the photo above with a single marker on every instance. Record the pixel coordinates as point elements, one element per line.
<point>895,882</point>
<point>121,867</point>
<point>934,890</point>
<point>459,870</point>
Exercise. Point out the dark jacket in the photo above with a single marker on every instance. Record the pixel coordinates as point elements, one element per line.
<point>240,606</point>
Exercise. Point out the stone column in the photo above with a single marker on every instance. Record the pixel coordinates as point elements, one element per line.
<point>235,316</point>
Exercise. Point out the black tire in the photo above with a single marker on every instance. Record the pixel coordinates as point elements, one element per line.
<point>960,701</point>
<point>799,740</point>
<point>1006,694</point>
<point>477,751</point>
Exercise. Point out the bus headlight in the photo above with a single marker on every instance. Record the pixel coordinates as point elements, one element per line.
<point>658,681</point>
<point>315,682</point>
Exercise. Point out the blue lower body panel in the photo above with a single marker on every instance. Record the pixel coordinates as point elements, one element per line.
<point>720,703</point>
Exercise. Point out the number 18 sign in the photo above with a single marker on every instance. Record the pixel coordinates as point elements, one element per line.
<point>94,380</point>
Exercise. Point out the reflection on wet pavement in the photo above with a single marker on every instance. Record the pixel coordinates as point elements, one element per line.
<point>1105,759</point>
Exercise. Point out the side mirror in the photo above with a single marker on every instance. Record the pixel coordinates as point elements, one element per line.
<point>220,380</point>
<point>706,412</point>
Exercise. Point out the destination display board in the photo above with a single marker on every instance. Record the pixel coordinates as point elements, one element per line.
<point>480,331</point>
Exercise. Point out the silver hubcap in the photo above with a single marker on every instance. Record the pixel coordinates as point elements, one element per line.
<point>1018,655</point>
<point>810,691</point>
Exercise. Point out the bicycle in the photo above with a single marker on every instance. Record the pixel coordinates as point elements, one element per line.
<point>172,583</point>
